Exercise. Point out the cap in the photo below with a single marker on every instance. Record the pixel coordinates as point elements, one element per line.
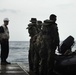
<point>39,21</point>
<point>6,19</point>
<point>33,20</point>
<point>47,22</point>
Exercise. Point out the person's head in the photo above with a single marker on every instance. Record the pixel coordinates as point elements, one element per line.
<point>53,17</point>
<point>39,22</point>
<point>33,20</point>
<point>6,21</point>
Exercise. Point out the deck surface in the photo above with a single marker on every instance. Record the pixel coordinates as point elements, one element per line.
<point>13,69</point>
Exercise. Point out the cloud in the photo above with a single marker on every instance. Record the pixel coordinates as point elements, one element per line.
<point>8,10</point>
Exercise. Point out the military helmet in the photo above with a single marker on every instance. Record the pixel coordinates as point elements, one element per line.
<point>46,22</point>
<point>39,21</point>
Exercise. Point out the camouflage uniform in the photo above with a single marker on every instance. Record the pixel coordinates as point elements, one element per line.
<point>49,44</point>
<point>37,46</point>
<point>32,30</point>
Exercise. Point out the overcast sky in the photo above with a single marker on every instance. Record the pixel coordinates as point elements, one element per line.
<point>20,12</point>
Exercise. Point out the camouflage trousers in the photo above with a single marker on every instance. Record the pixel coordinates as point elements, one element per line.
<point>43,57</point>
<point>47,53</point>
<point>31,55</point>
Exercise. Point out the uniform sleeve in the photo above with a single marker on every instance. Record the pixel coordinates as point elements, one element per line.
<point>57,36</point>
<point>1,29</point>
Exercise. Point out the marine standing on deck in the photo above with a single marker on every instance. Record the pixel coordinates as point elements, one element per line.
<point>32,30</point>
<point>37,46</point>
<point>50,41</point>
<point>54,43</point>
<point>4,40</point>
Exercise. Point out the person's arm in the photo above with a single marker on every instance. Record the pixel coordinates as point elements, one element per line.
<point>58,39</point>
<point>1,29</point>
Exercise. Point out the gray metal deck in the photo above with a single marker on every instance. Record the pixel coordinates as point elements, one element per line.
<point>13,69</point>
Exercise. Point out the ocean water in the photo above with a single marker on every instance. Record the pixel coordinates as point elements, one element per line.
<point>18,51</point>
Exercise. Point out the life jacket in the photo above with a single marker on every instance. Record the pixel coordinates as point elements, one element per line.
<point>4,32</point>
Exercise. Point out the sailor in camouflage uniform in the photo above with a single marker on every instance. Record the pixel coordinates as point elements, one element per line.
<point>32,30</point>
<point>37,46</point>
<point>50,41</point>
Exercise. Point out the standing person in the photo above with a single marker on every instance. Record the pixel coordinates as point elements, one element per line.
<point>37,46</point>
<point>32,30</point>
<point>54,43</point>
<point>50,41</point>
<point>4,38</point>
<point>39,25</point>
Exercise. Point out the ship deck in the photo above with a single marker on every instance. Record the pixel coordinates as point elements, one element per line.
<point>13,69</point>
